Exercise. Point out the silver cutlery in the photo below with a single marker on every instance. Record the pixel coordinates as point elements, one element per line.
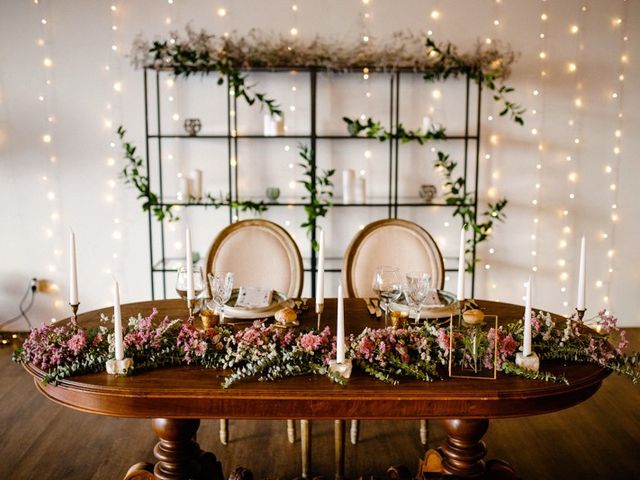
<point>376,304</point>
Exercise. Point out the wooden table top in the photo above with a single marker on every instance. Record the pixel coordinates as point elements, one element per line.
<point>194,392</point>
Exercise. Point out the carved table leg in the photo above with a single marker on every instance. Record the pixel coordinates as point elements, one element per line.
<point>179,455</point>
<point>464,450</point>
<point>305,443</point>
<point>339,430</point>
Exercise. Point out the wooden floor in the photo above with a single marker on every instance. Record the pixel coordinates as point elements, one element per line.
<point>599,439</point>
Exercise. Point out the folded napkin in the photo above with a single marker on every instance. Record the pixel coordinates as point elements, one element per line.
<point>254,297</point>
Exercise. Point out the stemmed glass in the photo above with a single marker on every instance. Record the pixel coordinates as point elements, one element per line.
<point>387,284</point>
<point>417,290</point>
<point>221,284</point>
<point>181,282</point>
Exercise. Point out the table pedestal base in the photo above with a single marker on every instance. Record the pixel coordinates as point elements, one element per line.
<point>464,452</point>
<point>179,455</point>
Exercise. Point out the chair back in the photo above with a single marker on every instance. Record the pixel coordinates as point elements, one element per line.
<point>260,253</point>
<point>396,242</point>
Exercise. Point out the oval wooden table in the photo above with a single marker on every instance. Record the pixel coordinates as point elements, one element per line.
<point>177,398</point>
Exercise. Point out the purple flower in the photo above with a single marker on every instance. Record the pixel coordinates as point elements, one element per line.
<point>77,342</point>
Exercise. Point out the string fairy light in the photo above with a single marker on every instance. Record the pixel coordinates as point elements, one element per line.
<point>50,179</point>
<point>612,168</point>
<point>113,110</point>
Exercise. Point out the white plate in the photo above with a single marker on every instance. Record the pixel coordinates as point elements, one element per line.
<point>448,300</point>
<point>278,301</point>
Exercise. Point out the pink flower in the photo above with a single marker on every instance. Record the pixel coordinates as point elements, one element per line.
<point>310,342</point>
<point>507,347</point>
<point>443,339</point>
<point>77,342</point>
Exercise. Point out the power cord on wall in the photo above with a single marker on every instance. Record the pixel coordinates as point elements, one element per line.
<point>32,288</point>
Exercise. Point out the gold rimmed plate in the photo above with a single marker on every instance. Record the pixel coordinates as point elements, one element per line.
<point>231,311</point>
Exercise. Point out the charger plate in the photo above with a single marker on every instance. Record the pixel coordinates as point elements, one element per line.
<point>448,306</point>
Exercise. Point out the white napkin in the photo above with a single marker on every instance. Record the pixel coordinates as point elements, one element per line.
<point>254,297</point>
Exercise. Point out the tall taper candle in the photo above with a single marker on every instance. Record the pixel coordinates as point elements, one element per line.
<point>117,322</point>
<point>340,327</point>
<point>73,271</point>
<point>581,276</point>
<point>526,344</point>
<point>189,264</point>
<point>320,274</point>
<point>461,267</point>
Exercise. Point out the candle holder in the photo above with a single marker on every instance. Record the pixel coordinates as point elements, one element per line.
<point>74,310</point>
<point>119,367</point>
<point>528,362</point>
<point>581,313</point>
<point>319,310</point>
<point>343,369</point>
<point>191,305</point>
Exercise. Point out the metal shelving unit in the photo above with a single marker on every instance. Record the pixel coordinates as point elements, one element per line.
<point>161,266</point>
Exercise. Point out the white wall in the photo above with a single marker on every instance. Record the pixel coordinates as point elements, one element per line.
<point>42,200</point>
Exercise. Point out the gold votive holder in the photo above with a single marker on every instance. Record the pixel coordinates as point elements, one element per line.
<point>209,318</point>
<point>398,318</point>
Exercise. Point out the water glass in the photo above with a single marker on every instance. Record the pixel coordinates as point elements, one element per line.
<point>387,284</point>
<point>417,289</point>
<point>221,285</point>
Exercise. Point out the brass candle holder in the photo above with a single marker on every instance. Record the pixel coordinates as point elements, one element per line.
<point>191,305</point>
<point>319,310</point>
<point>74,310</point>
<point>581,313</point>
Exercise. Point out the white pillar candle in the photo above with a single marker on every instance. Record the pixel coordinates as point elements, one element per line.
<point>461,267</point>
<point>581,275</point>
<point>196,183</point>
<point>117,322</point>
<point>320,273</point>
<point>526,344</point>
<point>340,327</point>
<point>183,189</point>
<point>348,185</point>
<point>73,271</point>
<point>189,265</point>
<point>426,124</point>
<point>268,127</point>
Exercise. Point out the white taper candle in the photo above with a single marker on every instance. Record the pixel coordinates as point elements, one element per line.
<point>461,267</point>
<point>320,273</point>
<point>189,265</point>
<point>73,271</point>
<point>581,275</point>
<point>117,322</point>
<point>526,344</point>
<point>340,327</point>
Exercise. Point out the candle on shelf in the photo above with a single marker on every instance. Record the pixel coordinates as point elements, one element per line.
<point>461,267</point>
<point>189,265</point>
<point>581,276</point>
<point>196,182</point>
<point>360,190</point>
<point>117,322</point>
<point>320,273</point>
<point>73,271</point>
<point>340,327</point>
<point>348,185</point>
<point>526,344</point>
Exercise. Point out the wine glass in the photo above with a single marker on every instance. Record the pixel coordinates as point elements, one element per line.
<point>387,284</point>
<point>181,282</point>
<point>417,290</point>
<point>221,284</point>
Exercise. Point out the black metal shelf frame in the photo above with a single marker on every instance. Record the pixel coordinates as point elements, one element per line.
<point>156,266</point>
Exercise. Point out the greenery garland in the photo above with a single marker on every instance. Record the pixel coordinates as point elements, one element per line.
<point>320,192</point>
<point>200,52</point>
<point>134,173</point>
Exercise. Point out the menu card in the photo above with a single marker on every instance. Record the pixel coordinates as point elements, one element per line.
<point>254,297</point>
